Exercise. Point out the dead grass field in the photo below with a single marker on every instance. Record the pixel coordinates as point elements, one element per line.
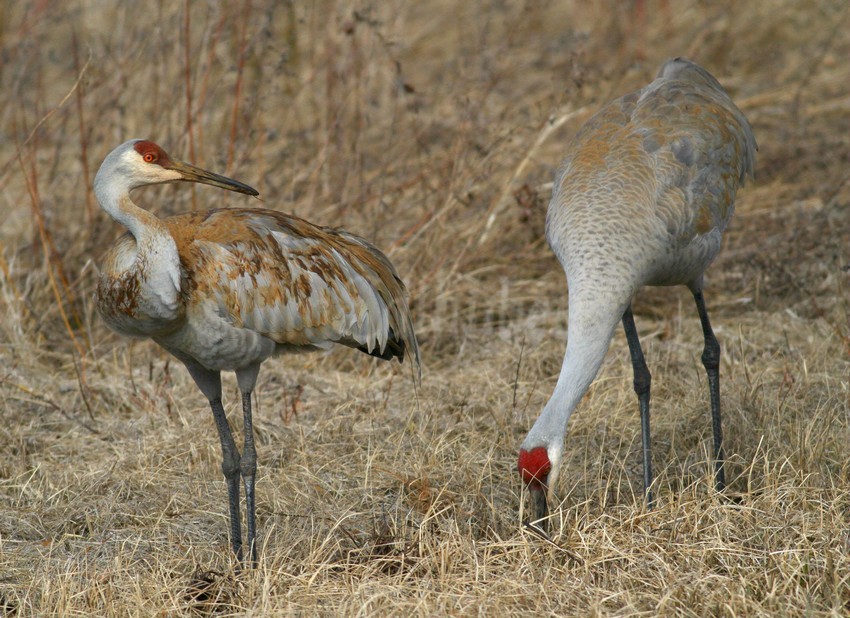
<point>431,128</point>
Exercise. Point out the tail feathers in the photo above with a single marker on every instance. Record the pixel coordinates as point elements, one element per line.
<point>377,269</point>
<point>396,347</point>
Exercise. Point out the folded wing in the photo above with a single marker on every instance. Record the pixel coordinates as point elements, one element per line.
<point>296,283</point>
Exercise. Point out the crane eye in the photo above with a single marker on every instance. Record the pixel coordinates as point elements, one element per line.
<point>149,157</point>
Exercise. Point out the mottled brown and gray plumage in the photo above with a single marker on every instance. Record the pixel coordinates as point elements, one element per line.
<point>263,282</point>
<point>224,290</point>
<point>642,198</point>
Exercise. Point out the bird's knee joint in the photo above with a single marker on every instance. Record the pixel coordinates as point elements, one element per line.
<point>230,461</point>
<point>230,468</point>
<point>642,382</point>
<point>711,355</point>
<point>248,465</point>
<point>641,388</point>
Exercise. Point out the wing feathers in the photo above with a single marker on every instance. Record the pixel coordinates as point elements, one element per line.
<point>294,282</point>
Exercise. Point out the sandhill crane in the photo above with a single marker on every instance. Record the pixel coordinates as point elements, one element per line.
<point>642,198</point>
<point>226,289</point>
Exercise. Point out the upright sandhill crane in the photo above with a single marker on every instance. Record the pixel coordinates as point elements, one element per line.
<point>227,289</point>
<point>643,197</point>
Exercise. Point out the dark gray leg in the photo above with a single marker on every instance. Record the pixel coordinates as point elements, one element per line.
<point>247,378</point>
<point>642,383</point>
<point>230,468</point>
<point>248,467</point>
<point>711,362</point>
<point>210,384</point>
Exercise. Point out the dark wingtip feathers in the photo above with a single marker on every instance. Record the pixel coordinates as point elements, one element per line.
<point>393,349</point>
<point>396,347</point>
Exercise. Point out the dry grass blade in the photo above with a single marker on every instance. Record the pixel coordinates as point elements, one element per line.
<point>549,128</point>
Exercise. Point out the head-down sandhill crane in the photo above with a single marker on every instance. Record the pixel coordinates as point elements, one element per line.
<point>227,289</point>
<point>642,198</point>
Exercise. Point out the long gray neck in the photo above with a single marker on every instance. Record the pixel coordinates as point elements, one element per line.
<point>155,247</point>
<point>592,322</point>
<point>115,200</point>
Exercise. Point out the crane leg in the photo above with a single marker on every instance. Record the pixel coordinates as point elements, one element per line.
<point>210,384</point>
<point>248,467</point>
<point>711,362</point>
<point>642,382</point>
<point>230,468</point>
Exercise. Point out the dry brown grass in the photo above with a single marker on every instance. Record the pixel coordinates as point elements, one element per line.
<point>418,125</point>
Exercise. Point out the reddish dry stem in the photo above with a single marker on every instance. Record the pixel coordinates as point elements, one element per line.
<point>237,94</point>
<point>84,156</point>
<point>53,260</point>
<point>187,76</point>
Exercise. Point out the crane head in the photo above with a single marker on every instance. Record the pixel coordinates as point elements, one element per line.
<point>137,163</point>
<point>539,475</point>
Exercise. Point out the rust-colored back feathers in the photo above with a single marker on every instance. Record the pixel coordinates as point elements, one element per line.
<point>279,276</point>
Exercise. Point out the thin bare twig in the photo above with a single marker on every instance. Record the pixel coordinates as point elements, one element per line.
<point>51,256</point>
<point>84,140</point>
<point>237,90</point>
<point>187,78</point>
<point>550,126</point>
<point>48,115</point>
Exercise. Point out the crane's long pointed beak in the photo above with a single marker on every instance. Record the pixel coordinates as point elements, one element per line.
<point>539,521</point>
<point>191,173</point>
<point>539,505</point>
